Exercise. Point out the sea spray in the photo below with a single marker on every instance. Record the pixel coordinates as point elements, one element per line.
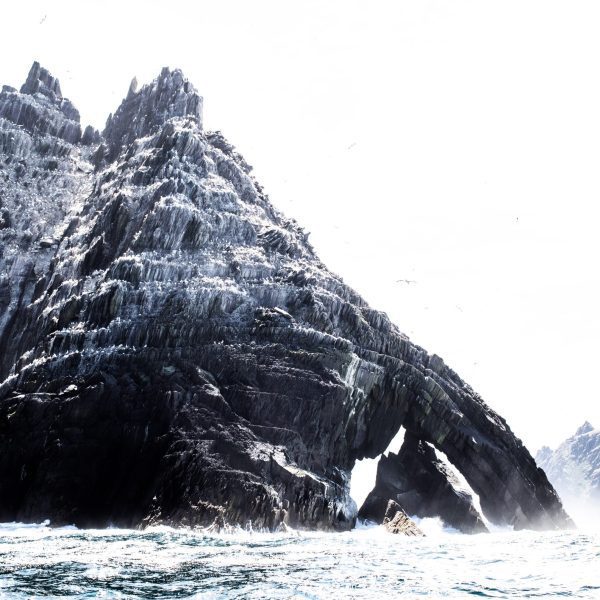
<point>163,562</point>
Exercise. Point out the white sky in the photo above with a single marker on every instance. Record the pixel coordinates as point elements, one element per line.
<point>456,144</point>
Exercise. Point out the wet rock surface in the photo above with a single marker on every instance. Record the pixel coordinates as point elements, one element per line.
<point>423,486</point>
<point>396,521</point>
<point>173,351</point>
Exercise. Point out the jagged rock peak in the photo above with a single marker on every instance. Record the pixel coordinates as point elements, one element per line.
<point>40,107</point>
<point>143,112</point>
<point>172,351</point>
<point>40,81</point>
<point>585,428</point>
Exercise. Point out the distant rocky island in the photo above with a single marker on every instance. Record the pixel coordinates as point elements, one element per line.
<point>172,350</point>
<point>574,467</point>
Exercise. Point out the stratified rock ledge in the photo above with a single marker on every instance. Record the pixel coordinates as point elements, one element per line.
<point>397,521</point>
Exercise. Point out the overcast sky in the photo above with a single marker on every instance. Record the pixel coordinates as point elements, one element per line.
<point>443,155</point>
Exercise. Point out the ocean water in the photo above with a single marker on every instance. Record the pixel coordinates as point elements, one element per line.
<point>37,561</point>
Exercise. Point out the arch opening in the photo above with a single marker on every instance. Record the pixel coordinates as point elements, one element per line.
<point>364,473</point>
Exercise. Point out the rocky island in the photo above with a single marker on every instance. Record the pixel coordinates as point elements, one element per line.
<point>574,467</point>
<point>172,350</point>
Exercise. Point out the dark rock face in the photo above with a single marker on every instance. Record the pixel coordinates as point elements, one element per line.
<point>423,486</point>
<point>397,521</point>
<point>143,113</point>
<point>39,81</point>
<point>172,349</point>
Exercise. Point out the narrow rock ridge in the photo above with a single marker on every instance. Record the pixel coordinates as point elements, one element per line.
<point>44,178</point>
<point>173,351</point>
<point>422,486</point>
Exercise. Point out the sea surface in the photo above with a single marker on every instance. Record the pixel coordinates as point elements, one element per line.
<point>37,561</point>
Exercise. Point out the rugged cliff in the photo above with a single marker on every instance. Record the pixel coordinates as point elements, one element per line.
<point>172,349</point>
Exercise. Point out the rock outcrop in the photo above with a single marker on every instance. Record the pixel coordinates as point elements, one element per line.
<point>574,467</point>
<point>422,486</point>
<point>172,349</point>
<point>396,521</point>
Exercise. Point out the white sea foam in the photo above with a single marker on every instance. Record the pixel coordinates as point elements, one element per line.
<point>162,562</point>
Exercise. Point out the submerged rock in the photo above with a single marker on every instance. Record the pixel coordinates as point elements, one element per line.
<point>173,351</point>
<point>423,486</point>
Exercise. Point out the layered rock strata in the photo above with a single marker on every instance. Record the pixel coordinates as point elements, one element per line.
<point>173,350</point>
<point>396,521</point>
